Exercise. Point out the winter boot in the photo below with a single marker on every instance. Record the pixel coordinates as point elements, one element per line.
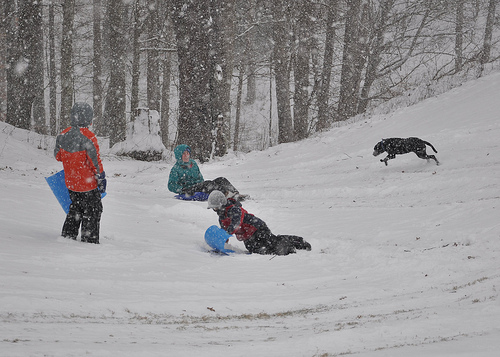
<point>284,247</point>
<point>298,242</point>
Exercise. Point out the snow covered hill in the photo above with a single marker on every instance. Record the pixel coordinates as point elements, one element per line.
<point>405,258</point>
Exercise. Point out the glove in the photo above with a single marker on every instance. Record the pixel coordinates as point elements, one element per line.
<point>101,182</point>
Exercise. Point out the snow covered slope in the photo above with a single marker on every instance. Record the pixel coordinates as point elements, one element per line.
<point>405,258</point>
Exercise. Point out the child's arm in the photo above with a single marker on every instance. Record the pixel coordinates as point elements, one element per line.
<point>236,216</point>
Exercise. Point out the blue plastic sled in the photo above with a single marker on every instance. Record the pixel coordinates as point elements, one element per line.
<point>216,238</point>
<point>58,186</point>
<point>198,196</point>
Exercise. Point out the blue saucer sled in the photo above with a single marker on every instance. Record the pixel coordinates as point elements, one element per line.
<point>198,196</point>
<point>216,238</point>
<point>58,186</point>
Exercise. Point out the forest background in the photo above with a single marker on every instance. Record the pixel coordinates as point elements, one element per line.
<point>231,74</point>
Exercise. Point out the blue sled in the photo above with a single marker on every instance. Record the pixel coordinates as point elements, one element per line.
<point>58,186</point>
<point>216,238</point>
<point>198,196</point>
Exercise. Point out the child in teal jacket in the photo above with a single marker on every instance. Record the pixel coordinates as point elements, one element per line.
<point>185,172</point>
<point>185,177</point>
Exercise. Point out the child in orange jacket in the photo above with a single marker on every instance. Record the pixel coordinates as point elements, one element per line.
<point>78,150</point>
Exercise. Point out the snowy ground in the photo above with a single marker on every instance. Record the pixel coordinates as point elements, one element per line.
<point>405,258</point>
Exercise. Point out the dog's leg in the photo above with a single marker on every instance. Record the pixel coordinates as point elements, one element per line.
<point>423,155</point>
<point>435,159</point>
<point>387,158</point>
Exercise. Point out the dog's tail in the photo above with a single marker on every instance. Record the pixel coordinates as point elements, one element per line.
<point>428,143</point>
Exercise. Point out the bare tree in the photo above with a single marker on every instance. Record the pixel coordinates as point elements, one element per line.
<point>166,83</point>
<point>249,53</point>
<point>281,64</point>
<point>391,40</point>
<point>191,22</point>
<point>67,62</point>
<point>97,88</point>
<point>222,56</point>
<point>239,94</point>
<point>488,33</point>
<point>3,61</point>
<point>52,72</point>
<point>136,57</point>
<point>23,26</point>
<point>324,117</point>
<point>26,66</point>
<point>165,98</point>
<point>376,48</point>
<point>205,69</point>
<point>353,59</point>
<point>14,82</point>
<point>153,65</point>
<point>115,105</point>
<point>303,52</point>
<point>459,35</point>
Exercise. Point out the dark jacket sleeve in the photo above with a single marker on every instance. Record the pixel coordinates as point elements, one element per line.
<point>234,216</point>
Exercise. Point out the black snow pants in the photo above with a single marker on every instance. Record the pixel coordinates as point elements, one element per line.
<point>220,184</point>
<point>264,242</point>
<point>85,210</point>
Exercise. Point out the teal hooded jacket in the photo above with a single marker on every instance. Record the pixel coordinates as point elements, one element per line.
<point>183,174</point>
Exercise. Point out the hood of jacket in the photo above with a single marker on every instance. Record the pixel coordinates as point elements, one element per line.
<point>81,115</point>
<point>179,150</point>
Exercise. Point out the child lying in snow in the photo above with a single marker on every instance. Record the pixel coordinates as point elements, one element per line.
<point>253,231</point>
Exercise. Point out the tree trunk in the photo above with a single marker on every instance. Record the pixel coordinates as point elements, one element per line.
<point>14,81</point>
<point>3,61</point>
<point>25,101</point>
<point>165,98</point>
<point>97,70</point>
<point>459,35</point>
<point>488,32</point>
<point>251,83</point>
<point>191,22</point>
<point>324,118</point>
<point>36,73</point>
<point>54,128</point>
<point>153,75</point>
<point>114,111</point>
<point>31,102</point>
<point>222,44</point>
<point>270,129</point>
<point>236,137</point>
<point>302,69</point>
<point>66,62</point>
<point>249,55</point>
<point>352,60</point>
<point>374,54</point>
<point>136,57</point>
<point>281,57</point>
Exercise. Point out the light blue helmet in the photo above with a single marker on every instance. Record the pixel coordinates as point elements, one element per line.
<point>216,200</point>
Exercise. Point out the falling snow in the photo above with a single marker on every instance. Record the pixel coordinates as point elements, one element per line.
<point>404,262</point>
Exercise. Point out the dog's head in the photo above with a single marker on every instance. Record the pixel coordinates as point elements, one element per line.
<point>379,148</point>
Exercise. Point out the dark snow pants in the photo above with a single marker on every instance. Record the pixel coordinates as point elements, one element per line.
<point>220,184</point>
<point>85,210</point>
<point>264,242</point>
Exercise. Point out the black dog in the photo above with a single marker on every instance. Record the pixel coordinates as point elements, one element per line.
<point>397,146</point>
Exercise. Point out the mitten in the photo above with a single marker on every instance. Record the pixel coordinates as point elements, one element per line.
<point>101,182</point>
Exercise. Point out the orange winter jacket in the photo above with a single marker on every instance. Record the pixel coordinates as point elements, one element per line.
<point>78,150</point>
